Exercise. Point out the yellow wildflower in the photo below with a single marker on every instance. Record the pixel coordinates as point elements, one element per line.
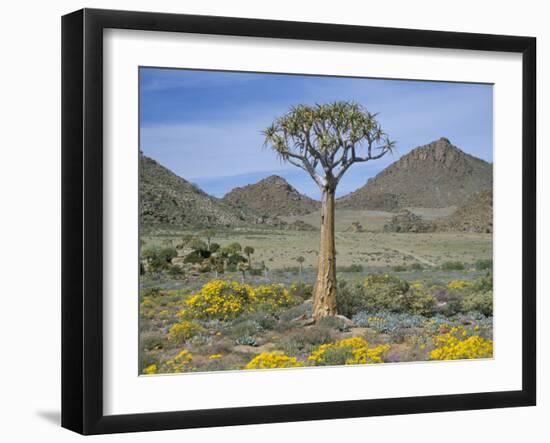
<point>151,369</point>
<point>272,360</point>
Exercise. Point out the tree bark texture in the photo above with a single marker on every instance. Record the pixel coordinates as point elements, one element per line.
<point>324,294</point>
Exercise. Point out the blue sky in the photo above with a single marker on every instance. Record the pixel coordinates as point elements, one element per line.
<point>206,125</point>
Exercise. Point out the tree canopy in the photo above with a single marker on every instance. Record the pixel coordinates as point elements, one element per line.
<point>326,139</point>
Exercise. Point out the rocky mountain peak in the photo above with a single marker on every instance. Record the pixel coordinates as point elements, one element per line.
<point>272,195</point>
<point>434,175</point>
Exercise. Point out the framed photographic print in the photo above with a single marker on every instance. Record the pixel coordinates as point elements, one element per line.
<point>269,221</point>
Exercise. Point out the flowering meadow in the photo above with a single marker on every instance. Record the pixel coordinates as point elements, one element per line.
<point>227,324</point>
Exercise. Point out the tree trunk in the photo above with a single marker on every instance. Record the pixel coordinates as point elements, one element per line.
<point>324,294</point>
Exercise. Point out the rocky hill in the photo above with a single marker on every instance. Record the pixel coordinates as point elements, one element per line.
<point>406,221</point>
<point>273,196</point>
<point>476,215</point>
<point>166,199</point>
<point>435,175</point>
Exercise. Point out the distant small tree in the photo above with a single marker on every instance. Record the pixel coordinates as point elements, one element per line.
<point>265,269</point>
<point>209,234</point>
<point>300,261</point>
<point>234,248</point>
<point>200,247</point>
<point>248,250</point>
<point>216,264</point>
<point>185,241</point>
<point>214,247</point>
<point>158,259</point>
<point>243,267</point>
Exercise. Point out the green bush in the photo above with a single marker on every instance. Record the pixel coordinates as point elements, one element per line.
<point>262,316</point>
<point>452,266</point>
<point>399,268</point>
<point>348,299</point>
<point>417,267</point>
<point>176,272</point>
<point>235,259</point>
<point>419,302</point>
<point>301,290</point>
<point>158,259</point>
<point>379,292</point>
<point>336,356</point>
<point>305,341</point>
<point>193,258</point>
<point>481,302</point>
<point>334,323</point>
<point>482,265</point>
<point>247,340</point>
<point>350,268</point>
<point>245,328</point>
<point>484,283</point>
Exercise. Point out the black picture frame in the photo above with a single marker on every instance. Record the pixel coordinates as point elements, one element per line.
<point>82,218</point>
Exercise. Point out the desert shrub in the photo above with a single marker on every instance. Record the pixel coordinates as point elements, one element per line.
<point>200,339</point>
<point>176,272</point>
<point>417,267</point>
<point>391,283</point>
<point>379,292</point>
<point>272,360</point>
<point>350,268</point>
<point>200,246</point>
<point>159,259</point>
<point>440,293</point>
<point>453,304</point>
<point>301,290</point>
<point>296,311</point>
<point>246,327</point>
<point>248,340</point>
<point>481,302</point>
<point>348,351</point>
<point>348,300</point>
<point>233,248</point>
<point>304,341</point>
<point>457,345</point>
<point>386,322</point>
<point>484,283</point>
<point>399,268</point>
<point>263,316</point>
<point>151,292</point>
<point>334,323</point>
<point>255,271</point>
<point>482,265</point>
<point>234,259</point>
<point>151,341</point>
<point>294,270</point>
<point>183,331</point>
<point>418,301</point>
<point>193,258</point>
<point>452,266</point>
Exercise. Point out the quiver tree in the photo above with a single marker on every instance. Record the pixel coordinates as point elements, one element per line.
<point>324,141</point>
<point>249,250</point>
<point>300,261</point>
